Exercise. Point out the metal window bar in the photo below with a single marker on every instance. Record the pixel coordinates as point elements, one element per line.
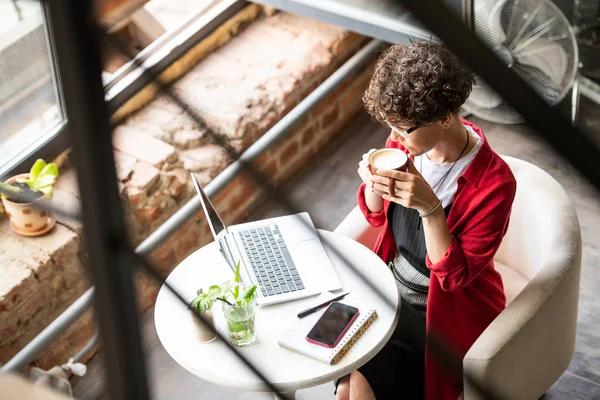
<point>145,68</point>
<point>79,58</point>
<point>526,115</point>
<point>170,40</point>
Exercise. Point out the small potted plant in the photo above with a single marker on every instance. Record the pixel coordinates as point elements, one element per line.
<point>239,308</point>
<point>19,194</point>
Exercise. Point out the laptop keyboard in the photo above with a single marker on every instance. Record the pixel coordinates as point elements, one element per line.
<point>270,260</point>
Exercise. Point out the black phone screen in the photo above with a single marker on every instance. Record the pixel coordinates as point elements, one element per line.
<point>332,323</point>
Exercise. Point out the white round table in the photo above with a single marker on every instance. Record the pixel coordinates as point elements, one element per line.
<point>286,369</point>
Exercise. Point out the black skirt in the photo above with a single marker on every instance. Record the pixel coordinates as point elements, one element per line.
<point>398,370</point>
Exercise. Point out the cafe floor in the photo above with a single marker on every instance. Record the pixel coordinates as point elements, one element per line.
<point>326,188</point>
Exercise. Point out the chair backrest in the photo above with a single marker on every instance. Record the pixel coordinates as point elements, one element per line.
<point>531,343</point>
<point>542,223</point>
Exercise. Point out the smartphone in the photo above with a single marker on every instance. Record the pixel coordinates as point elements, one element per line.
<point>332,325</point>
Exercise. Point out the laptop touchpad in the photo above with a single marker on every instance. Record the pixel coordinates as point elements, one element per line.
<point>297,228</point>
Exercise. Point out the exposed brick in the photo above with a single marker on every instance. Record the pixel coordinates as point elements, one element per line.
<point>66,201</point>
<point>178,183</point>
<point>16,284</point>
<point>149,213</point>
<point>144,176</point>
<point>124,165</point>
<point>189,241</point>
<point>203,177</point>
<point>143,147</point>
<point>209,157</point>
<point>332,100</point>
<point>351,100</point>
<point>329,117</point>
<point>289,151</point>
<point>266,164</point>
<point>161,113</point>
<point>147,288</point>
<point>235,185</point>
<point>164,256</point>
<point>308,135</point>
<point>189,138</point>
<point>40,253</point>
<point>270,170</point>
<point>243,196</point>
<point>71,340</point>
<point>136,196</point>
<point>240,145</point>
<point>66,284</point>
<point>67,182</point>
<point>244,86</point>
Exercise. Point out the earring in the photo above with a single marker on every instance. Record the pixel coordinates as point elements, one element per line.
<point>445,126</point>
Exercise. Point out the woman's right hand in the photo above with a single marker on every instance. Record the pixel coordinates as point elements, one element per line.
<point>365,173</point>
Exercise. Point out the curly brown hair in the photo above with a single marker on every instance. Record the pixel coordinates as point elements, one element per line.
<point>417,85</point>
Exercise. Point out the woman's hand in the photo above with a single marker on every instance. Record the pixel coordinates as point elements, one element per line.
<point>365,173</point>
<point>410,190</point>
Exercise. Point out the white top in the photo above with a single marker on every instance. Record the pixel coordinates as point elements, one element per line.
<point>434,173</point>
<point>287,369</point>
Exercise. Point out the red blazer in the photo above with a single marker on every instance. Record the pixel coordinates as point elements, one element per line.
<point>465,290</point>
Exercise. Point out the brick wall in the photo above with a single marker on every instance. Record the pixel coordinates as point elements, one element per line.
<point>239,91</point>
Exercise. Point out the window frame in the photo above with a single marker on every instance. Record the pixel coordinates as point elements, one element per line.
<point>128,80</point>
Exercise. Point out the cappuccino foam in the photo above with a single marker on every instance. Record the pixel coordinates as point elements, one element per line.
<point>388,159</point>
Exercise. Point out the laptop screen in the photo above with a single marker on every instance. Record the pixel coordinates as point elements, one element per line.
<point>217,226</point>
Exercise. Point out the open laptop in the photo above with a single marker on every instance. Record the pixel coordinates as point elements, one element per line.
<point>283,256</point>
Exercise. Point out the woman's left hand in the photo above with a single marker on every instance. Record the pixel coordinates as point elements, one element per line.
<point>408,189</point>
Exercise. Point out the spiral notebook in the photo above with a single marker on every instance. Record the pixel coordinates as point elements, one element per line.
<point>295,337</point>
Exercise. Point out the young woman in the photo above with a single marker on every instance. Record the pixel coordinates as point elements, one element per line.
<point>443,221</point>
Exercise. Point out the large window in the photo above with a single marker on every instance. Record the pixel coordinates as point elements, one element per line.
<point>32,118</point>
<point>30,107</point>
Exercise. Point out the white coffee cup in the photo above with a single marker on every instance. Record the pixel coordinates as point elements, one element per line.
<point>388,159</point>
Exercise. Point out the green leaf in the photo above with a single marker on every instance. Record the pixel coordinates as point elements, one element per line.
<point>206,305</point>
<point>47,190</point>
<point>43,181</point>
<point>249,294</point>
<point>50,170</point>
<point>215,291</point>
<point>236,290</point>
<point>202,303</point>
<point>36,169</point>
<point>227,286</point>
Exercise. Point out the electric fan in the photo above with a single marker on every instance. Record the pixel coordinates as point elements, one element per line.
<point>536,41</point>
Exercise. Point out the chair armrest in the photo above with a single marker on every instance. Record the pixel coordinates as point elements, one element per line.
<point>531,343</point>
<point>356,227</point>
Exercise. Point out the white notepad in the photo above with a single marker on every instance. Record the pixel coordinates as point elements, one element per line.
<point>295,337</point>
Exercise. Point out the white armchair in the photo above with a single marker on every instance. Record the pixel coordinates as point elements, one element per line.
<point>530,344</point>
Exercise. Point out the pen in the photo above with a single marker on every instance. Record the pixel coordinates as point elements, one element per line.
<point>311,310</point>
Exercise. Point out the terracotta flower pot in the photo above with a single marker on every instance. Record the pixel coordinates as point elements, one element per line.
<point>25,217</point>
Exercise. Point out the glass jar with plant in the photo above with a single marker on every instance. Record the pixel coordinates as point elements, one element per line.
<point>239,308</point>
<point>19,194</point>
